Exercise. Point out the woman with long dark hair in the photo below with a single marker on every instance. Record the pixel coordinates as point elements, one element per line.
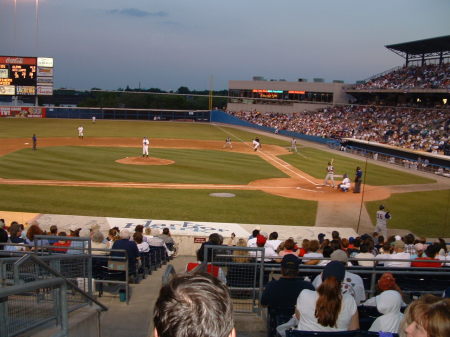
<point>327,309</point>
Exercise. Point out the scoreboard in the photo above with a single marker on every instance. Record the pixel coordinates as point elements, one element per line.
<point>26,76</point>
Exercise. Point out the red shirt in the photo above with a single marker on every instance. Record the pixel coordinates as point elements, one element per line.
<point>417,262</point>
<point>61,244</point>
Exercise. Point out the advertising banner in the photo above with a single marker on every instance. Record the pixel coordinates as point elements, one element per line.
<point>44,72</point>
<point>18,60</point>
<point>7,90</point>
<point>25,90</point>
<point>45,90</point>
<point>20,111</point>
<point>45,62</point>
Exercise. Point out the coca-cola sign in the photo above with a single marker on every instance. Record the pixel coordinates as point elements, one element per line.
<point>18,60</point>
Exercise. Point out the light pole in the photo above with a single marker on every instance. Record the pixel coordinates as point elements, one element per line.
<point>37,26</point>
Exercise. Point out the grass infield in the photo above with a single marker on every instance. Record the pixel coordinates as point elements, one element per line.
<point>253,207</point>
<point>424,213</point>
<point>98,164</point>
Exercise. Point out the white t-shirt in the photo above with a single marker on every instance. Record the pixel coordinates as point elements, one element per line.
<point>402,255</point>
<point>352,285</point>
<point>251,242</point>
<point>306,305</point>
<point>273,243</point>
<point>365,256</point>
<point>311,256</point>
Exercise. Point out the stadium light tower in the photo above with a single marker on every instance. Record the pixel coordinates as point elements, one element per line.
<point>37,25</point>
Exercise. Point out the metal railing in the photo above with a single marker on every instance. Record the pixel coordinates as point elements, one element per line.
<point>243,270</point>
<point>27,295</point>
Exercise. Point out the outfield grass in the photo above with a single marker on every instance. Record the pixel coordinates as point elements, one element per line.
<point>98,164</point>
<point>314,162</point>
<point>49,127</point>
<point>423,213</point>
<point>193,205</point>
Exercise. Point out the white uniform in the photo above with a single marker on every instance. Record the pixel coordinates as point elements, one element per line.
<point>381,226</point>
<point>345,185</point>
<point>145,143</point>
<point>256,144</point>
<point>80,131</point>
<point>228,143</point>
<point>294,145</point>
<point>93,119</point>
<point>329,176</point>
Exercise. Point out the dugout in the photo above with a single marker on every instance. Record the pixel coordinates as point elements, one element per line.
<point>393,151</point>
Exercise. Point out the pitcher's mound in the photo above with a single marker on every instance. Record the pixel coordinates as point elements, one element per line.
<point>144,161</point>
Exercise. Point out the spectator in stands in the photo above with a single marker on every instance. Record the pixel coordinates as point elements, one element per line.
<point>34,230</point>
<point>53,232</point>
<point>213,240</point>
<point>327,309</point>
<point>3,234</point>
<point>251,242</point>
<point>304,248</point>
<point>168,240</point>
<point>326,251</point>
<point>140,229</point>
<point>428,316</point>
<point>389,304</point>
<point>273,241</point>
<point>430,252</point>
<point>61,243</point>
<point>194,305</point>
<point>113,235</point>
<point>399,254</point>
<point>98,242</point>
<point>352,283</point>
<point>385,283</point>
<point>288,248</point>
<point>124,243</point>
<point>79,247</point>
<point>281,295</point>
<point>364,254</point>
<point>443,251</point>
<point>232,240</point>
<point>15,236</point>
<point>409,244</point>
<point>313,253</point>
<point>241,256</point>
<point>269,253</point>
<point>143,246</point>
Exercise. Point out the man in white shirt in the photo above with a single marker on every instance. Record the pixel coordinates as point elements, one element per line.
<point>352,283</point>
<point>399,254</point>
<point>273,241</point>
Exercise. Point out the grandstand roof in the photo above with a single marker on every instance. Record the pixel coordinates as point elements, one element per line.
<point>428,47</point>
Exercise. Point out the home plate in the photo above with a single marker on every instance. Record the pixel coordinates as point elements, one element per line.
<point>27,143</point>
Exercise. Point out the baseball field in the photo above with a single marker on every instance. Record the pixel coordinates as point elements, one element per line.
<point>104,174</point>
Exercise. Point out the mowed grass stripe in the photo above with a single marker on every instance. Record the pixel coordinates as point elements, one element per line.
<point>98,164</point>
<point>49,127</point>
<point>191,205</point>
<point>314,162</point>
<point>423,213</point>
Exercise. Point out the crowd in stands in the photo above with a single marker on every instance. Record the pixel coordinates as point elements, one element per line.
<point>430,76</point>
<point>18,237</point>
<point>416,129</point>
<point>296,302</point>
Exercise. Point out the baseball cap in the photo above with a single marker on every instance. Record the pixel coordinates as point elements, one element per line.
<point>399,244</point>
<point>335,269</point>
<point>398,238</point>
<point>74,228</point>
<point>290,261</point>
<point>339,255</point>
<point>321,235</point>
<point>419,246</point>
<point>260,240</point>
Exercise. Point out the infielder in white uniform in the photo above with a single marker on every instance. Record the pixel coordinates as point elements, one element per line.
<point>256,144</point>
<point>330,175</point>
<point>228,143</point>
<point>80,132</point>
<point>145,143</point>
<point>382,219</point>
<point>294,145</point>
